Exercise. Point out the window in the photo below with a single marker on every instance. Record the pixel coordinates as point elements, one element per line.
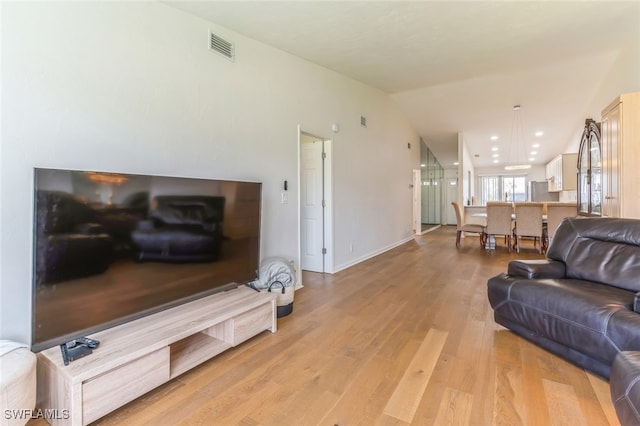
<point>502,188</point>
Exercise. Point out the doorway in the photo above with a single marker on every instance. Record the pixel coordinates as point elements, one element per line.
<point>315,240</point>
<point>452,195</point>
<point>431,192</point>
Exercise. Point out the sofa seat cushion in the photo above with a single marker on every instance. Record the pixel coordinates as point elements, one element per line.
<point>176,240</point>
<point>594,319</point>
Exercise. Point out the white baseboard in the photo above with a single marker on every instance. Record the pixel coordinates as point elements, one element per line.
<point>370,255</point>
<point>433,228</point>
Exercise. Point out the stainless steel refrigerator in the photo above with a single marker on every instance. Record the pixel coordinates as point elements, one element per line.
<point>539,191</point>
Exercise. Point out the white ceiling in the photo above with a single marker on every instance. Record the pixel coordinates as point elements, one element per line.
<point>455,66</point>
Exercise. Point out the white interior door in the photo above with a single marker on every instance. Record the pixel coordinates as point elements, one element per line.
<point>311,204</point>
<point>452,195</point>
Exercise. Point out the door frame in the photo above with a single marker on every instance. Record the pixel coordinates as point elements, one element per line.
<point>328,197</point>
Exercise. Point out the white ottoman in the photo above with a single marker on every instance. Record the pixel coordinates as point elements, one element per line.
<point>17,383</point>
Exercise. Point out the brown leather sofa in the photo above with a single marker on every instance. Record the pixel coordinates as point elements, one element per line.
<point>181,229</point>
<point>582,302</point>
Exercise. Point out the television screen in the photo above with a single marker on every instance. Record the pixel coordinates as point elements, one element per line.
<point>112,247</point>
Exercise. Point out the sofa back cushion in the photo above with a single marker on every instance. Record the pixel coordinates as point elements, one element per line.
<point>605,250</point>
<point>188,209</point>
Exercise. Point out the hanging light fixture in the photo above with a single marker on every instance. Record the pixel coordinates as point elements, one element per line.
<point>517,159</point>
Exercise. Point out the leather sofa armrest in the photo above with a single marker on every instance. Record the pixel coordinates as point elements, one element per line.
<point>636,303</point>
<point>537,269</point>
<point>625,387</point>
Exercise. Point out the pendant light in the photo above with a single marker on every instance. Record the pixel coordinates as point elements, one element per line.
<point>517,159</point>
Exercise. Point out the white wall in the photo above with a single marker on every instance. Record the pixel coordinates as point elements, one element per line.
<point>466,172</point>
<point>623,77</point>
<point>449,194</point>
<point>131,87</point>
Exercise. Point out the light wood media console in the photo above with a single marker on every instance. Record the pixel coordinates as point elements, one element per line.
<point>136,357</point>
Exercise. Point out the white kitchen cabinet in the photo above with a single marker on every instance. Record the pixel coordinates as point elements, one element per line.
<point>562,173</point>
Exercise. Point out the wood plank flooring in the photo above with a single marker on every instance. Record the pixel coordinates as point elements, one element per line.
<point>407,337</point>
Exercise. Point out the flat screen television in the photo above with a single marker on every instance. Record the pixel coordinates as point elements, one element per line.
<point>113,247</point>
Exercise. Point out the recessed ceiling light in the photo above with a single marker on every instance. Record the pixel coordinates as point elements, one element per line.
<point>495,155</point>
<point>536,145</point>
<point>456,163</point>
<point>495,148</point>
<point>539,133</point>
<point>534,152</point>
<point>496,161</point>
<point>423,165</point>
<point>494,138</point>
<point>532,159</point>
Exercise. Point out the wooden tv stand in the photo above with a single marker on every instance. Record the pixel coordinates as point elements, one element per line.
<point>136,357</point>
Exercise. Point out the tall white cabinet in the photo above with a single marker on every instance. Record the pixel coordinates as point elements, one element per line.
<point>620,132</point>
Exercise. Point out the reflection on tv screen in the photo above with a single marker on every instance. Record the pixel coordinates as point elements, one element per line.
<point>111,247</point>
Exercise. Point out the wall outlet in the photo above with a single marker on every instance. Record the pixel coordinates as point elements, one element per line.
<point>350,247</point>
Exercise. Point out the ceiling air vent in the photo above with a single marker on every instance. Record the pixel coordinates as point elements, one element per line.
<point>219,45</point>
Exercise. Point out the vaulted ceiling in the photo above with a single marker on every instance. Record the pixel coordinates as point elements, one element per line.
<point>456,66</point>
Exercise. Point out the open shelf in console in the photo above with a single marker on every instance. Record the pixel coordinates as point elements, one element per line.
<point>193,350</point>
<point>136,357</point>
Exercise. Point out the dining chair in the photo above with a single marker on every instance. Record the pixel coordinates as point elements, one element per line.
<point>499,221</point>
<point>529,224</point>
<point>555,213</point>
<point>466,227</point>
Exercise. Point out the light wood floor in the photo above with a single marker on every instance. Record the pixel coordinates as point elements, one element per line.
<point>407,337</point>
